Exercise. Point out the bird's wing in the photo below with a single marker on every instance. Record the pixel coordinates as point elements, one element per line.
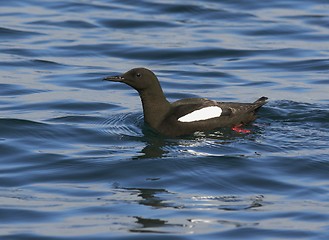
<point>186,101</point>
<point>186,106</point>
<point>238,108</point>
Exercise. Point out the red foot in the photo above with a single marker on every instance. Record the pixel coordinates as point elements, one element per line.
<point>238,129</point>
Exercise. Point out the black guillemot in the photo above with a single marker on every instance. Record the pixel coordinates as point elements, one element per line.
<point>188,115</point>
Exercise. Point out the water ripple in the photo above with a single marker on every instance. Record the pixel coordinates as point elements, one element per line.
<point>123,124</point>
<point>8,33</point>
<point>78,162</point>
<point>133,24</point>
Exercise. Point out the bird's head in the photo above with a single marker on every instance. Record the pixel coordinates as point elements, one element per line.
<point>138,78</point>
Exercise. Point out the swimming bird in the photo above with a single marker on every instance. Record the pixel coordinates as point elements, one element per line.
<point>189,115</point>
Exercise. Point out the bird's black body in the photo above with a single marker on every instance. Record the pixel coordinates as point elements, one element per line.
<point>166,117</point>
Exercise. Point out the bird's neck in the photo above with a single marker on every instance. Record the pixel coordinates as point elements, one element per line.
<point>155,106</point>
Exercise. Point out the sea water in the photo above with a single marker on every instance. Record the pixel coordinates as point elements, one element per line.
<point>77,161</point>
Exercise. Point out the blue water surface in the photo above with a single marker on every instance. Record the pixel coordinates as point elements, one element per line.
<point>77,161</point>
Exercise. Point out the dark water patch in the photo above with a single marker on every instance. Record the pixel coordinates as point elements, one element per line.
<point>79,106</point>
<point>184,8</point>
<point>26,170</point>
<point>46,63</point>
<point>181,54</point>
<point>21,52</point>
<point>186,54</point>
<point>8,33</point>
<point>83,7</point>
<point>133,24</point>
<point>15,123</point>
<point>65,24</point>
<point>321,21</point>
<point>315,19</point>
<point>254,5</point>
<point>324,82</point>
<point>15,90</point>
<point>19,216</point>
<point>279,31</point>
<point>260,84</point>
<point>205,12</point>
<point>302,65</point>
<point>34,63</point>
<point>68,50</point>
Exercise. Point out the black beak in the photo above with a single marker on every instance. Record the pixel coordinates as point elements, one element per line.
<point>114,79</point>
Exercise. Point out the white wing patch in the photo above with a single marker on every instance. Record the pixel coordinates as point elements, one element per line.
<point>202,114</point>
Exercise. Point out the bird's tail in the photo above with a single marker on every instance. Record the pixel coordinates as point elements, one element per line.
<point>261,100</point>
<point>258,103</point>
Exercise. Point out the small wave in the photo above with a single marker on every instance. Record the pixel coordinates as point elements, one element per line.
<point>66,24</point>
<point>133,24</point>
<point>15,90</point>
<point>298,112</point>
<point>7,33</point>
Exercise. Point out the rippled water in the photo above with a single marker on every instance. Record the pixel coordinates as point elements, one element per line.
<point>77,161</point>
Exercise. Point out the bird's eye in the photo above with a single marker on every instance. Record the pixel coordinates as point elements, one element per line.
<point>138,75</point>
